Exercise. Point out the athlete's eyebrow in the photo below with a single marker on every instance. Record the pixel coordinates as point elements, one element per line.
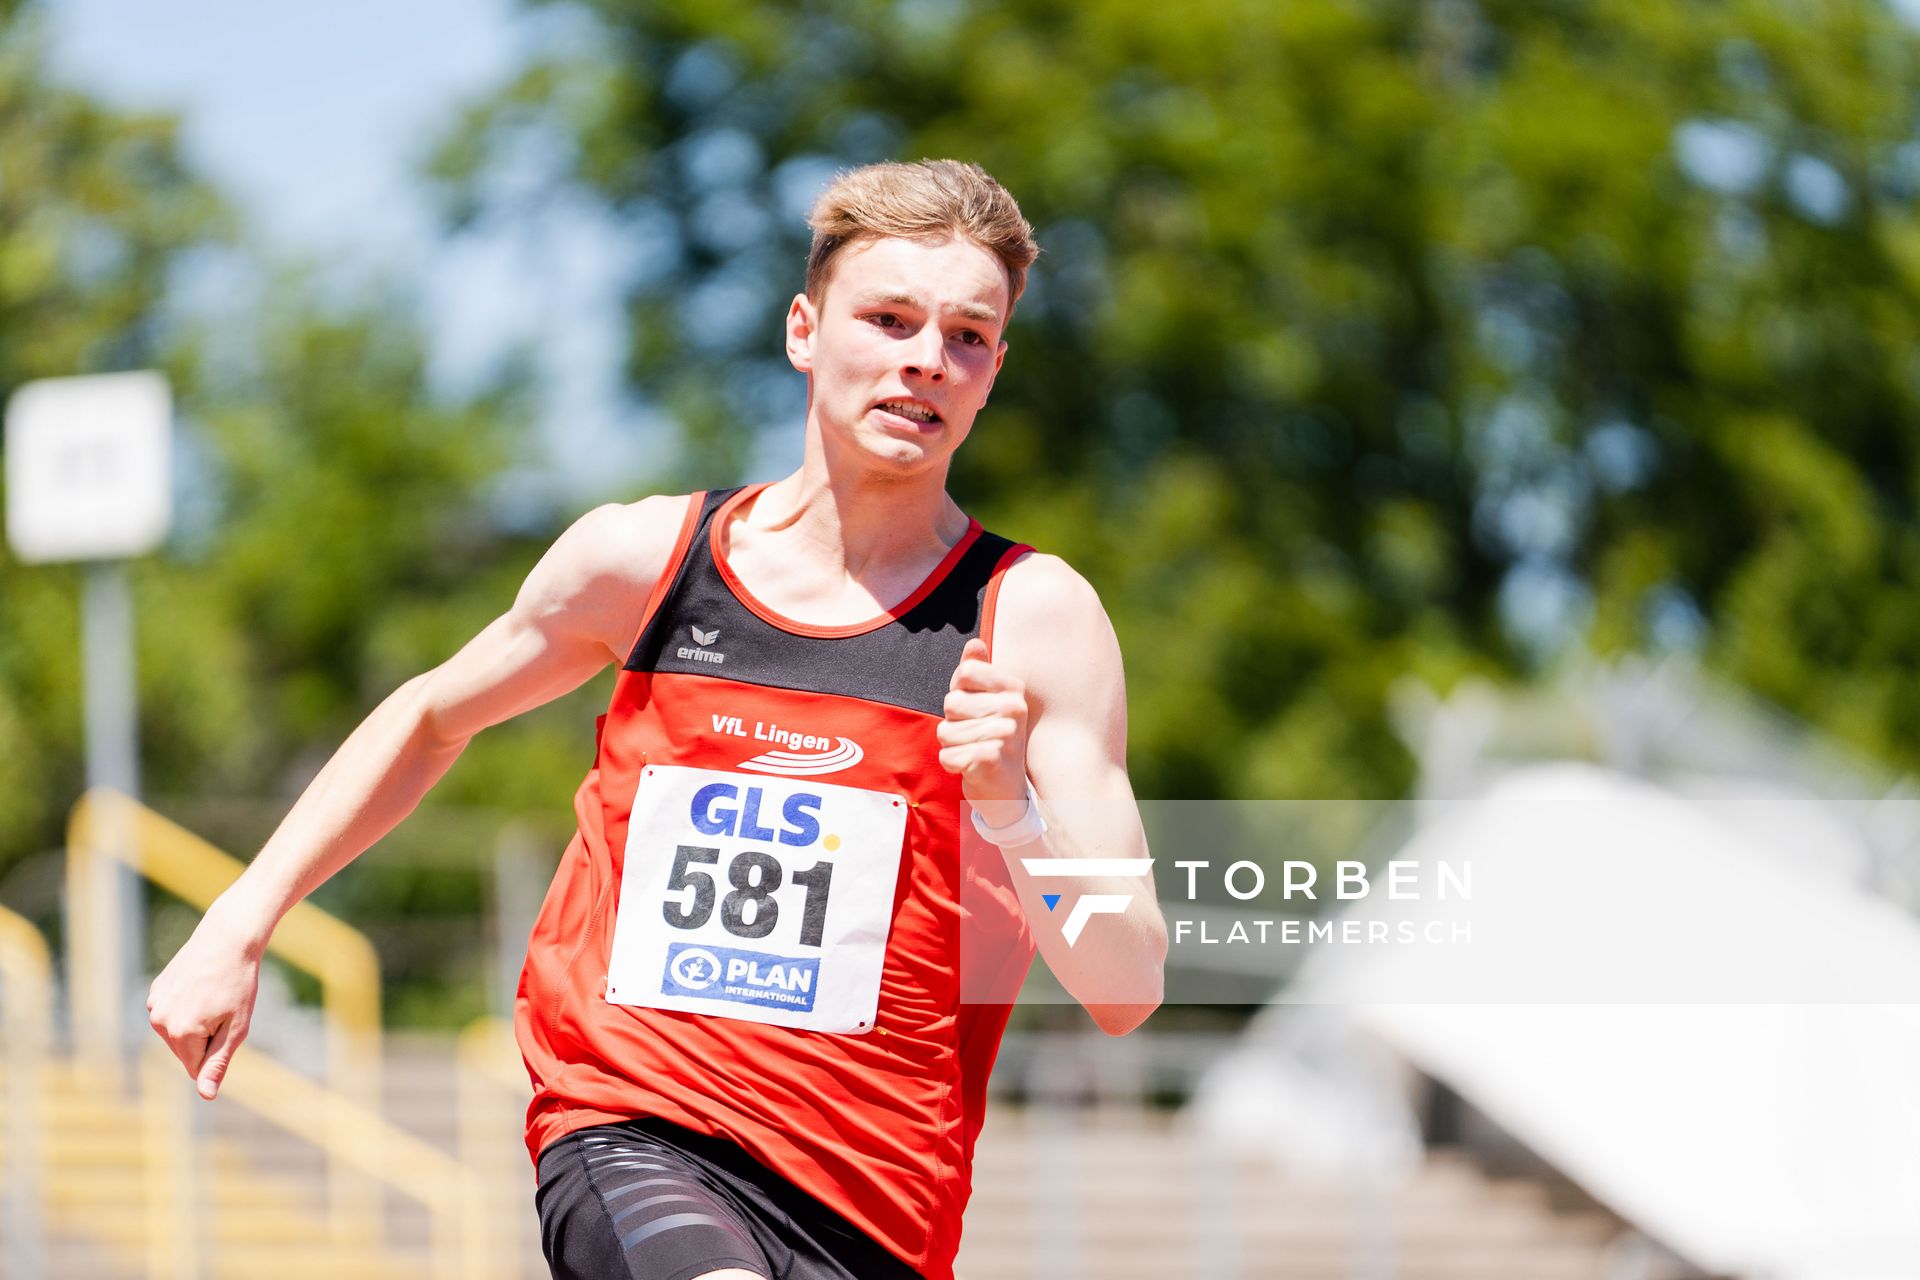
<point>894,298</point>
<point>976,311</point>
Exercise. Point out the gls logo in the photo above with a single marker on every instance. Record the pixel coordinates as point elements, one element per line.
<point>1088,905</point>
<point>799,815</point>
<point>701,653</point>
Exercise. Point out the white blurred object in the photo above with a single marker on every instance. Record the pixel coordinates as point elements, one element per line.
<point>88,467</point>
<point>1587,885</point>
<point>1311,1093</point>
<point>1764,1140</point>
<point>1752,1138</point>
<point>89,477</point>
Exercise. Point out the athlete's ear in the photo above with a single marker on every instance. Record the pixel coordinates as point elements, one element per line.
<point>802,322</point>
<point>999,358</point>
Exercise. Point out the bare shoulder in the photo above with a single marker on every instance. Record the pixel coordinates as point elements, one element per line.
<point>1044,590</point>
<point>600,571</point>
<point>626,544</point>
<point>1052,631</point>
<point>638,535</point>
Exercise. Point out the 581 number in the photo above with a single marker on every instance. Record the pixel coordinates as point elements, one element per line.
<point>750,911</point>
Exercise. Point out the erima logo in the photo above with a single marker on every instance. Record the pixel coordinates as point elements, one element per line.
<point>702,653</point>
<point>844,754</point>
<point>1088,905</point>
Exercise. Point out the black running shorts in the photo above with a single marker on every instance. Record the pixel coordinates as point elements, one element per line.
<point>648,1200</point>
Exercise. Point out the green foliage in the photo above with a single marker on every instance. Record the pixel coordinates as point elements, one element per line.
<point>332,537</point>
<point>95,208</point>
<point>1369,339</point>
<point>344,488</point>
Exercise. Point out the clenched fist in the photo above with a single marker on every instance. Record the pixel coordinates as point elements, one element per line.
<point>984,735</point>
<point>202,1002</point>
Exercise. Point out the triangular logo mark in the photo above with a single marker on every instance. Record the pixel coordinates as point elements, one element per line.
<point>1051,899</point>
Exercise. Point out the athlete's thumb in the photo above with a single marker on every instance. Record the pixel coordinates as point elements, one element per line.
<point>976,651</point>
<point>219,1056</point>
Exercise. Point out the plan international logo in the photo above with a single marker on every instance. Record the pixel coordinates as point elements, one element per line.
<point>1088,905</point>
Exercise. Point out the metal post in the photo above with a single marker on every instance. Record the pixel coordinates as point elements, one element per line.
<point>113,760</point>
<point>26,1020</point>
<point>172,1201</point>
<point>88,469</point>
<point>1056,1197</point>
<point>520,876</point>
<point>1218,1230</point>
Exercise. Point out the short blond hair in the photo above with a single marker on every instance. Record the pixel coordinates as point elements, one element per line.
<point>930,199</point>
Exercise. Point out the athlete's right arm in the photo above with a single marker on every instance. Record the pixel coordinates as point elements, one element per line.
<point>578,610</point>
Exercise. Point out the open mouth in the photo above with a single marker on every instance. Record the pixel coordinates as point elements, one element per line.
<point>911,410</point>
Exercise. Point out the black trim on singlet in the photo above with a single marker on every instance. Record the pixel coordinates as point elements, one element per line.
<point>906,662</point>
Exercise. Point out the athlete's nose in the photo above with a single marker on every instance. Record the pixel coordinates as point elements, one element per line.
<point>926,355</point>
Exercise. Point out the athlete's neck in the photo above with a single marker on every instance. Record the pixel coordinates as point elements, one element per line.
<point>838,538</point>
<point>862,524</point>
<point>857,515</point>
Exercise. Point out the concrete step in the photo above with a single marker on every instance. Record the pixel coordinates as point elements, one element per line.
<point>1145,1198</point>
<point>1140,1191</point>
<point>70,1256</point>
<point>975,1264</point>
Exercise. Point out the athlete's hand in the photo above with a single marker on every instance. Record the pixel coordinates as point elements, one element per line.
<point>984,735</point>
<point>202,1002</point>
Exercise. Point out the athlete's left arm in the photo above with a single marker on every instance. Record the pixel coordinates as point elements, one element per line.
<point>1051,706</point>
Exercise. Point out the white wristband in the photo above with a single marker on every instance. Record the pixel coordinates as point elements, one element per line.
<point>1028,827</point>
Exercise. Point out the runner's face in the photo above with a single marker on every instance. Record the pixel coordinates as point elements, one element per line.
<point>902,347</point>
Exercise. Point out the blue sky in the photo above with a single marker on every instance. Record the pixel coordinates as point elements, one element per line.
<point>311,114</point>
<point>314,118</point>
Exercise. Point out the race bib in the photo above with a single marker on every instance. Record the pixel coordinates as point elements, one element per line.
<point>760,898</point>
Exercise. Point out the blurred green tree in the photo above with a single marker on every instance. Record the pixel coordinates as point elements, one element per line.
<point>1369,339</point>
<point>333,532</point>
<point>96,208</point>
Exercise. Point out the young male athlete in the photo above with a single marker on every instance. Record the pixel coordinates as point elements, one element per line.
<point>764,994</point>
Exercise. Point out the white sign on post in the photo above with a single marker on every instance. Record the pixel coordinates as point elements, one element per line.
<point>88,467</point>
<point>89,478</point>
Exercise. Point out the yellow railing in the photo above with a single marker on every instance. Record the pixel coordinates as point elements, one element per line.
<point>452,1192</point>
<point>172,1162</point>
<point>341,1117</point>
<point>486,1049</point>
<point>26,1020</point>
<point>492,1092</point>
<point>488,1065</point>
<point>107,827</point>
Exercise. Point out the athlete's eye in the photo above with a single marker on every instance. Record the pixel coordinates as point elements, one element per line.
<point>886,320</point>
<point>972,338</point>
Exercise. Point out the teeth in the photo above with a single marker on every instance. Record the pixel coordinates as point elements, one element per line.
<point>919,413</point>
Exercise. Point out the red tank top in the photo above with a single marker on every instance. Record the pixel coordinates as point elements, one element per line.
<point>761,720</point>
